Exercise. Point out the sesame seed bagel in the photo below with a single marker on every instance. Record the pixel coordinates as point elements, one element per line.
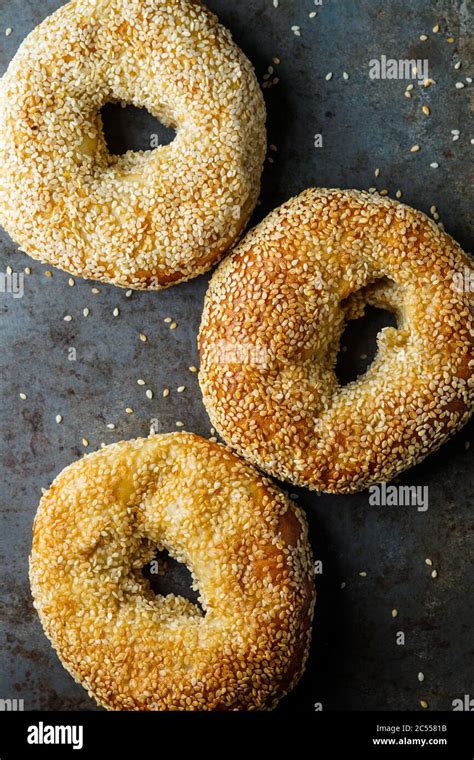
<point>270,333</point>
<point>145,219</point>
<point>244,542</point>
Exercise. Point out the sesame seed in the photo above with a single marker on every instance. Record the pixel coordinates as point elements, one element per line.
<point>429,562</point>
<point>421,677</point>
<point>436,28</point>
<point>110,426</point>
<point>143,337</point>
<point>328,76</point>
<point>140,381</point>
<point>193,369</point>
<point>426,110</point>
<point>173,326</point>
<point>85,442</point>
<point>434,165</point>
<point>86,312</point>
<point>59,419</point>
<point>459,85</point>
<point>166,392</point>
<point>149,394</point>
<point>181,388</point>
<point>424,704</point>
<point>415,148</point>
<point>423,37</point>
<point>434,574</point>
<point>71,282</point>
<point>394,613</point>
<point>116,312</point>
<point>8,31</point>
<point>48,274</point>
<point>67,318</point>
<point>23,396</point>
<point>129,410</point>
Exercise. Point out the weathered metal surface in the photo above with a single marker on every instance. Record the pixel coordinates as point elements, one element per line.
<point>355,661</point>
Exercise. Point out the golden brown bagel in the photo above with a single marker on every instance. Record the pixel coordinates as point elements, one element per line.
<point>271,327</point>
<point>244,542</point>
<point>146,219</point>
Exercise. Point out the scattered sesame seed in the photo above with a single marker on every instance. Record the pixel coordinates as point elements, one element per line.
<point>173,326</point>
<point>86,312</point>
<point>394,613</point>
<point>312,14</point>
<point>181,388</point>
<point>179,424</point>
<point>95,291</point>
<point>149,394</point>
<point>27,270</point>
<point>71,282</point>
<point>421,677</point>
<point>168,320</point>
<point>128,294</point>
<point>434,165</point>
<point>415,148</point>
<point>110,426</point>
<point>85,442</point>
<point>345,75</point>
<point>140,381</point>
<point>426,110</point>
<point>59,419</point>
<point>436,28</point>
<point>67,318</point>
<point>423,37</point>
<point>8,31</point>
<point>129,410</point>
<point>424,704</point>
<point>296,30</point>
<point>116,312</point>
<point>166,392</point>
<point>434,574</point>
<point>193,369</point>
<point>48,274</point>
<point>451,40</point>
<point>143,337</point>
<point>23,396</point>
<point>343,585</point>
<point>429,562</point>
<point>398,194</point>
<point>459,85</point>
<point>328,76</point>
<point>377,172</point>
<point>458,65</point>
<point>363,574</point>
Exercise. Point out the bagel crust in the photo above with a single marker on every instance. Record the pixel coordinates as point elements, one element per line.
<point>244,542</point>
<point>145,219</point>
<point>271,328</point>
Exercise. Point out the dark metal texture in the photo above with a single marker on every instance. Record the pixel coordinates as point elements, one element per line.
<point>355,661</point>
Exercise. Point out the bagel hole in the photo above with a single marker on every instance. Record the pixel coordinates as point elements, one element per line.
<point>358,346</point>
<point>130,128</point>
<point>168,576</point>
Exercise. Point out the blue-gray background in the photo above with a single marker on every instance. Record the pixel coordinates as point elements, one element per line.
<point>355,662</point>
